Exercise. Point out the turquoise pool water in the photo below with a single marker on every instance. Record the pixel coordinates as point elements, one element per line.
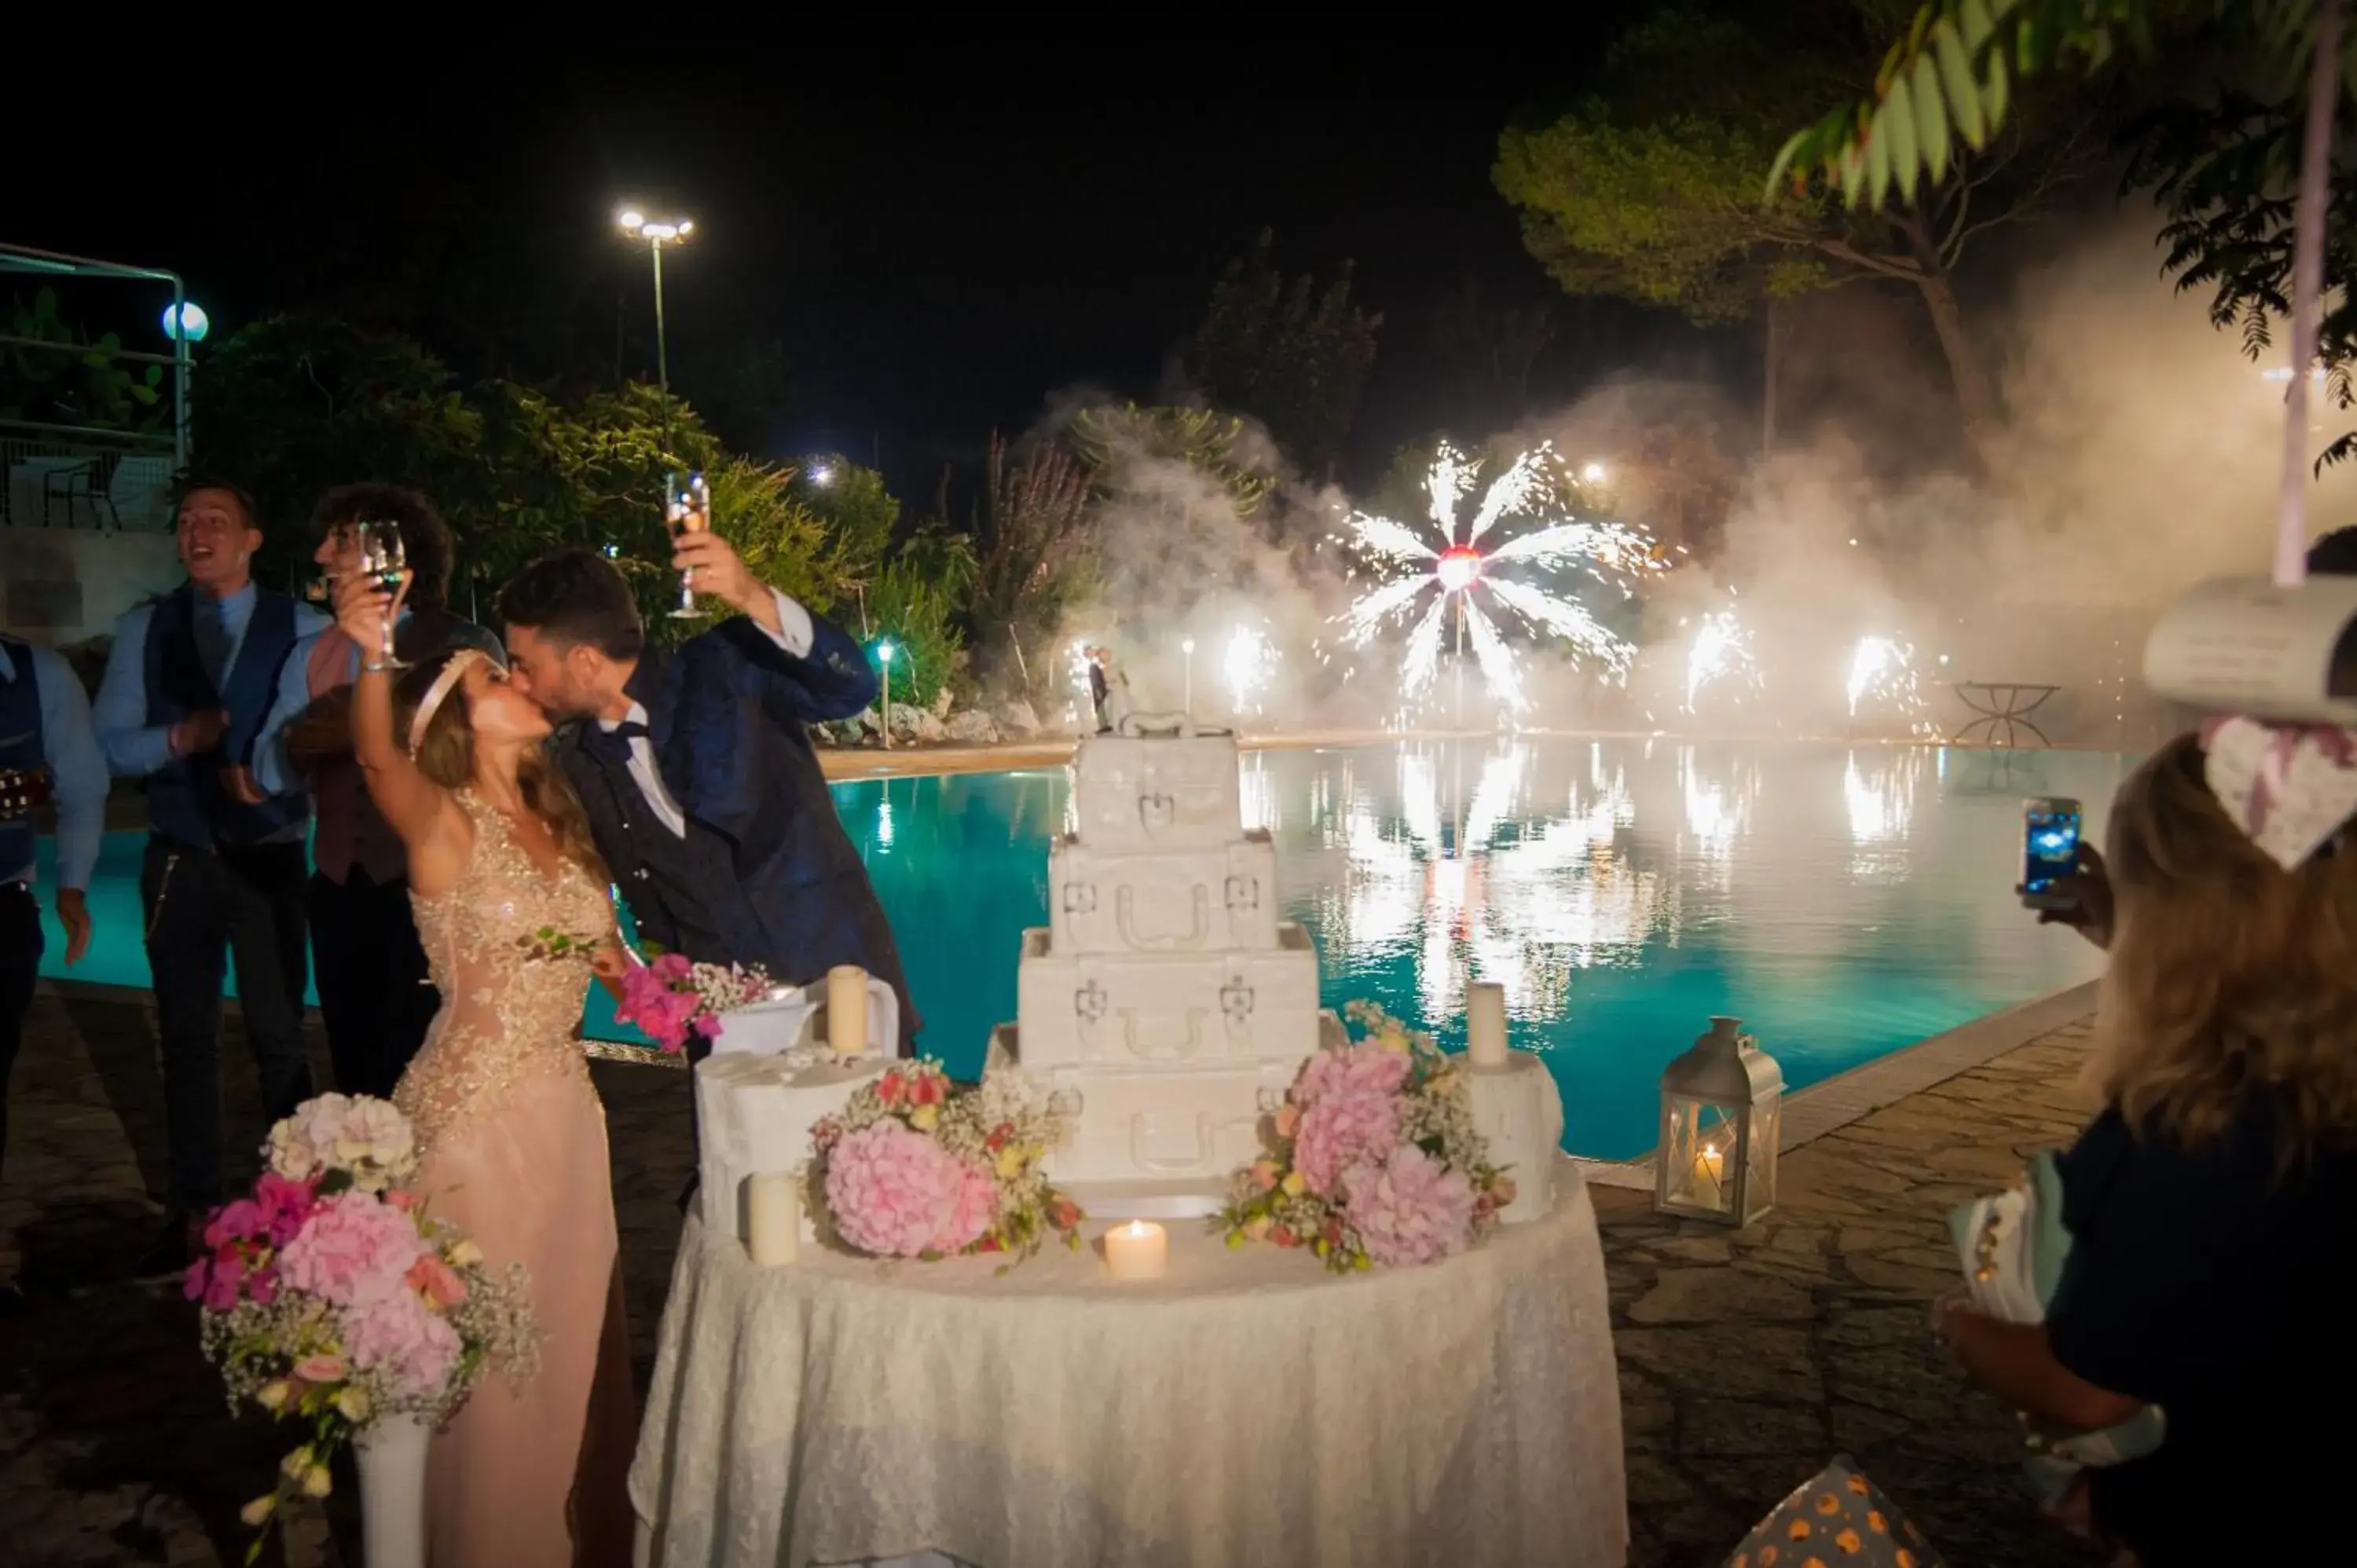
<point>1843,903</point>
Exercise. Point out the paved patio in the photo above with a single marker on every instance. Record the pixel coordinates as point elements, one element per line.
<point>1747,1359</point>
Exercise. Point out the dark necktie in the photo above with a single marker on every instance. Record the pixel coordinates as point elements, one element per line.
<point>612,744</point>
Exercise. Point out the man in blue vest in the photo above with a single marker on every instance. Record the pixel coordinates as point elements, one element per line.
<point>45,733</point>
<point>190,686</point>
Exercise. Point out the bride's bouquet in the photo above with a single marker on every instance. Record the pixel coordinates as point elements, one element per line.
<point>674,997</point>
<point>331,1297</point>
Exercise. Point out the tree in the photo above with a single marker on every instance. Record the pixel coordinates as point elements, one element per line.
<point>2223,169</point>
<point>1651,189</point>
<point>74,382</point>
<point>292,406</point>
<point>1490,351</point>
<point>1037,551</point>
<point>1118,441</point>
<point>1289,355</point>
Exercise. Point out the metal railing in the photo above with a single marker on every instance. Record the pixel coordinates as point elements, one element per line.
<point>86,480</point>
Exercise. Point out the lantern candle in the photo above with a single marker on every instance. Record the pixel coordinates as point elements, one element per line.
<point>1710,1175</point>
<point>846,1009</point>
<point>1137,1251</point>
<point>1485,1024</point>
<point>773,1218</point>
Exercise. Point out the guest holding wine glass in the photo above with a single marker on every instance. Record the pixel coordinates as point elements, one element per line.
<point>374,994</point>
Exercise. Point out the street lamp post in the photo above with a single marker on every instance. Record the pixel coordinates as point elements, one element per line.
<point>884,651</point>
<point>1188,648</point>
<point>674,231</point>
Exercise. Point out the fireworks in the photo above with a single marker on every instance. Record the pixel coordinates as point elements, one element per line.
<point>1722,648</point>
<point>1246,666</point>
<point>1883,668</point>
<point>1450,558</point>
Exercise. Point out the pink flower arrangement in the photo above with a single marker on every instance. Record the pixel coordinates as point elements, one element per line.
<point>330,1296</point>
<point>1372,1158</point>
<point>1350,1108</point>
<point>674,998</point>
<point>916,1166</point>
<point>1409,1207</point>
<point>898,1194</point>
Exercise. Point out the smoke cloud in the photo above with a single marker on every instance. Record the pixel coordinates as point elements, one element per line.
<point>2139,454</point>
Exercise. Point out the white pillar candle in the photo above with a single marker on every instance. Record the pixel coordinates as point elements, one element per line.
<point>1137,1251</point>
<point>846,1009</point>
<point>773,1218</point>
<point>1485,1024</point>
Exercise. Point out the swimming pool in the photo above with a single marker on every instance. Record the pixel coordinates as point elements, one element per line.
<point>1842,902</point>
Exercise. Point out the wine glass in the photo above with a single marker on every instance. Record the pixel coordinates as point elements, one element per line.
<point>384,558</point>
<point>687,509</point>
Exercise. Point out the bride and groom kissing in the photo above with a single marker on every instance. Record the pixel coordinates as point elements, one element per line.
<point>686,779</point>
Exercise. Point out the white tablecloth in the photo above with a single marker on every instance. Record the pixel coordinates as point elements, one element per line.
<point>1248,1408</point>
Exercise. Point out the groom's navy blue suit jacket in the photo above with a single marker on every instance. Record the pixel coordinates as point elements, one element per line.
<point>780,882</point>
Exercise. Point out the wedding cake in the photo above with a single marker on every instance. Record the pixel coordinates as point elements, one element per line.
<point>1165,1007</point>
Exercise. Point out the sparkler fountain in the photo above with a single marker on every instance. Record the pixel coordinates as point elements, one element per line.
<point>1452,558</point>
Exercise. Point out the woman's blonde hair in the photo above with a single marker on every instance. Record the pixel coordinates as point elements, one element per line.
<point>2229,976</point>
<point>446,754</point>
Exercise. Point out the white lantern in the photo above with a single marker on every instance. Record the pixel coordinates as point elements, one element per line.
<point>1722,1116</point>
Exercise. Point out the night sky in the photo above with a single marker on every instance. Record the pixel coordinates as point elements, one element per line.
<point>928,268</point>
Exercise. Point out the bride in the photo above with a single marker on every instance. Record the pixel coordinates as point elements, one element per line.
<point>505,883</point>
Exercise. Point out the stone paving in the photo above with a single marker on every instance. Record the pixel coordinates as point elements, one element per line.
<point>1747,1357</point>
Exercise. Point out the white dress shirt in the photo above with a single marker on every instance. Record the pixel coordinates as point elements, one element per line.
<point>794,635</point>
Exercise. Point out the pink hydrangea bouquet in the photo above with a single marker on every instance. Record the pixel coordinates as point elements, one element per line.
<point>673,997</point>
<point>1372,1158</point>
<point>916,1166</point>
<point>331,1298</point>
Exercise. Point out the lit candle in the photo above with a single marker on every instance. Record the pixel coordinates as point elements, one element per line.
<point>846,1009</point>
<point>1485,1024</point>
<point>773,1217</point>
<point>1709,1169</point>
<point>1137,1251</point>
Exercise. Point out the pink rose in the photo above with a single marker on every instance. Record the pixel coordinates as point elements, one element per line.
<point>320,1369</point>
<point>707,1025</point>
<point>1264,1173</point>
<point>436,1281</point>
<point>1288,1117</point>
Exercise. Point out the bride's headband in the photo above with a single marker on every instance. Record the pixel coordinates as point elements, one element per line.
<point>452,673</point>
<point>2290,787</point>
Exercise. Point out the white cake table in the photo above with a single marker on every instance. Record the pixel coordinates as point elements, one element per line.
<point>1248,1408</point>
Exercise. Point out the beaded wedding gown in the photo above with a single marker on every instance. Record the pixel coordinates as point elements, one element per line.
<point>513,1139</point>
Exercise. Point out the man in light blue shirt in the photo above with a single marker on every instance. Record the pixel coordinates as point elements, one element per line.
<point>44,736</point>
<point>190,687</point>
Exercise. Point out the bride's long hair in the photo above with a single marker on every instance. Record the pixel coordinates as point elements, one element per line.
<point>446,754</point>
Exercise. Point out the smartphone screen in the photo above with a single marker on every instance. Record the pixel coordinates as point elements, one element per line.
<point>2050,837</point>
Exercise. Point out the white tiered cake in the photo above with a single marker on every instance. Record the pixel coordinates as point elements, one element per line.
<point>1165,1006</point>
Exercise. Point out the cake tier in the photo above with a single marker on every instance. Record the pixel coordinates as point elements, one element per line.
<point>755,1112</point>
<point>1169,1009</point>
<point>1160,788</point>
<point>1168,1136</point>
<point>1162,901</point>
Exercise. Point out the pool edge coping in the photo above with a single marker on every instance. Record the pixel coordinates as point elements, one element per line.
<point>1855,1094</point>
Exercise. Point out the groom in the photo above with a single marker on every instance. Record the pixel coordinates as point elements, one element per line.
<point>704,792</point>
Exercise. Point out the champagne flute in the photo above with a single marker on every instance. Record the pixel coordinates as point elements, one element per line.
<point>384,558</point>
<point>687,509</point>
